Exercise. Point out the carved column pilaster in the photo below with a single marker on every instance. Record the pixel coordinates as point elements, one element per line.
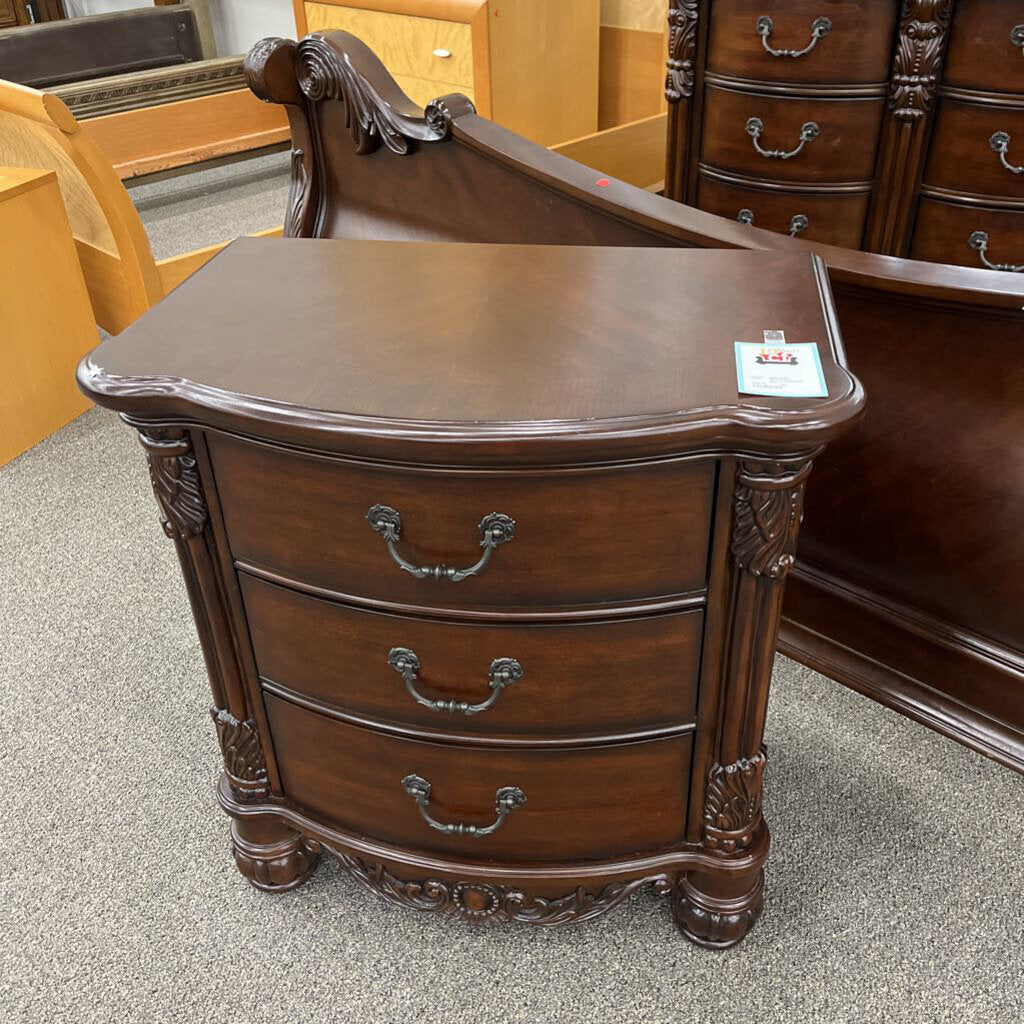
<point>184,515</point>
<point>717,908</point>
<point>914,81</point>
<point>683,22</point>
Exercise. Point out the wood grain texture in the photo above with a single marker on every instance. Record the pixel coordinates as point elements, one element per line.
<point>633,153</point>
<point>943,230</point>
<point>981,53</point>
<point>631,76</point>
<point>175,134</point>
<point>48,323</point>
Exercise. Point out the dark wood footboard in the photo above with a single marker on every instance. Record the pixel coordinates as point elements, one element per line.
<point>908,585</point>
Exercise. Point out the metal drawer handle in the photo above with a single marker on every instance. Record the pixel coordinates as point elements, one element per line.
<point>504,672</point>
<point>979,243</point>
<point>1017,36</point>
<point>495,529</point>
<point>808,133</point>
<point>506,800</point>
<point>1000,142</point>
<point>798,222</point>
<point>820,28</point>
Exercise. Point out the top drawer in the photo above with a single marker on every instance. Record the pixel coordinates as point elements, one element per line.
<point>439,51</point>
<point>581,538</point>
<point>986,46</point>
<point>839,42</point>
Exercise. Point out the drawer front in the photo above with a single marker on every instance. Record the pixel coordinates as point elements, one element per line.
<point>836,219</point>
<point>973,144</point>
<point>853,49</point>
<point>580,538</point>
<point>943,231</point>
<point>986,46</point>
<point>7,14</point>
<point>422,90</point>
<point>583,679</point>
<point>842,151</point>
<point>405,44</point>
<point>581,803</point>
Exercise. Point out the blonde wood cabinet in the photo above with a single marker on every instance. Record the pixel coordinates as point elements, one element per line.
<point>530,65</point>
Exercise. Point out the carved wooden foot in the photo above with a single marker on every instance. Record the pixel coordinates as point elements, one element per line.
<point>274,857</point>
<point>717,909</point>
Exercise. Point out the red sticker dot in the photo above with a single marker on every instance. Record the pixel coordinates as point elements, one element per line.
<point>603,182</point>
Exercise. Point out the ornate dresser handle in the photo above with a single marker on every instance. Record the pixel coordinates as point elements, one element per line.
<point>504,672</point>
<point>978,241</point>
<point>1000,142</point>
<point>808,133</point>
<point>495,529</point>
<point>798,222</point>
<point>506,800</point>
<point>820,28</point>
<point>1017,36</point>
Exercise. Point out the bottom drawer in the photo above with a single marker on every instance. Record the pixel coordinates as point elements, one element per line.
<point>969,236</point>
<point>832,218</point>
<point>581,803</point>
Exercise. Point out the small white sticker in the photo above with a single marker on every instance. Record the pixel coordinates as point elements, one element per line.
<point>775,337</point>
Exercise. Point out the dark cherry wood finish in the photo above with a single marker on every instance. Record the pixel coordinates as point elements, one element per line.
<point>638,591</point>
<point>906,587</point>
<point>907,97</point>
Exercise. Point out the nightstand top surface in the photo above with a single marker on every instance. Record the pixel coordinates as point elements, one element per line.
<point>475,342</point>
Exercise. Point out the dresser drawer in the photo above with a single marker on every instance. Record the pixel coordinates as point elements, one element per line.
<point>580,538</point>
<point>406,45</point>
<point>985,46</point>
<point>589,678</point>
<point>854,49</point>
<point>943,234</point>
<point>581,803</point>
<point>842,149</point>
<point>965,148</point>
<point>832,218</point>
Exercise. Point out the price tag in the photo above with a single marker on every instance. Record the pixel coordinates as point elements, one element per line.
<point>786,371</point>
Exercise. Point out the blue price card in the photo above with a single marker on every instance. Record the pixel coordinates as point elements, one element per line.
<point>785,371</point>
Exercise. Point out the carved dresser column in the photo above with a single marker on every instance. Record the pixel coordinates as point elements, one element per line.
<point>683,19</point>
<point>916,70</point>
<point>270,854</point>
<point>718,908</point>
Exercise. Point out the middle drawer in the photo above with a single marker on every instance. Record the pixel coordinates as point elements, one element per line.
<point>591,678</point>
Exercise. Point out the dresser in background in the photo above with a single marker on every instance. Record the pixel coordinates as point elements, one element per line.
<point>893,127</point>
<point>486,555</point>
<point>530,65</point>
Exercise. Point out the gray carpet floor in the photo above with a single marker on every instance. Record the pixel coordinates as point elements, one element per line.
<point>895,885</point>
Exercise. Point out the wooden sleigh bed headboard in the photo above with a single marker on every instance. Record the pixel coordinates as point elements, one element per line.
<point>908,583</point>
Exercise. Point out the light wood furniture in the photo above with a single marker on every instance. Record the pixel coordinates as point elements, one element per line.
<point>906,587</point>
<point>897,128</point>
<point>530,65</point>
<point>38,131</point>
<point>44,308</point>
<point>496,629</point>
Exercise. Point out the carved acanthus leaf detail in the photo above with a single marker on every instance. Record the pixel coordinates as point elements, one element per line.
<point>682,48</point>
<point>732,804</point>
<point>767,510</point>
<point>298,195</point>
<point>243,755</point>
<point>917,61</point>
<point>327,73</point>
<point>175,478</point>
<point>480,903</point>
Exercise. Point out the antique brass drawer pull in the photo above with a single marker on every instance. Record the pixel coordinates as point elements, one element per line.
<point>808,133</point>
<point>1017,36</point>
<point>798,222</point>
<point>506,800</point>
<point>820,28</point>
<point>1000,142</point>
<point>495,529</point>
<point>979,243</point>
<point>504,672</point>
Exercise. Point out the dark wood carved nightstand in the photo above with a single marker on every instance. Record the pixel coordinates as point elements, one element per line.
<point>486,553</point>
